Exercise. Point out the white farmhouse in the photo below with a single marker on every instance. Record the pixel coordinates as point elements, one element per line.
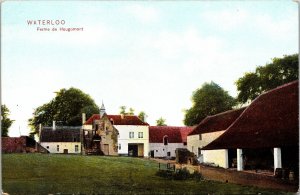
<point>207,131</point>
<point>63,139</point>
<point>164,140</point>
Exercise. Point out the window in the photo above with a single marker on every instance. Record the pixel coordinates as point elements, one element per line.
<point>156,150</point>
<point>119,146</point>
<point>165,140</point>
<point>131,134</point>
<point>47,147</point>
<point>76,148</point>
<point>74,139</point>
<point>168,153</point>
<point>184,143</point>
<point>200,136</point>
<point>140,134</point>
<point>57,148</point>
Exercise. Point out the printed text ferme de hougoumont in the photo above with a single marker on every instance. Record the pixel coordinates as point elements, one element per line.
<point>52,25</point>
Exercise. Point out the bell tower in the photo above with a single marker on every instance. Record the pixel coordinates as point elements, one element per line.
<point>102,110</point>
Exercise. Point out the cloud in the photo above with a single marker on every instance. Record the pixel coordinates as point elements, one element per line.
<point>226,19</point>
<point>142,13</point>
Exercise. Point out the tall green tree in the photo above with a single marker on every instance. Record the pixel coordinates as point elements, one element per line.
<point>161,122</point>
<point>270,76</point>
<point>142,115</point>
<point>6,122</point>
<point>208,100</point>
<point>67,107</point>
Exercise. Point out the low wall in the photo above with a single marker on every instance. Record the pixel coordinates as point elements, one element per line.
<point>23,144</point>
<point>13,144</point>
<point>244,178</point>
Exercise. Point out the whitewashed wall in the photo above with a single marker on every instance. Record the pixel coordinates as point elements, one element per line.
<point>124,140</point>
<point>160,150</point>
<point>62,145</point>
<point>193,141</point>
<point>219,157</point>
<point>87,127</point>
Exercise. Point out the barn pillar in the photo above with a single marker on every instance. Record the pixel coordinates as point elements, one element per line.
<point>277,158</point>
<point>240,161</point>
<point>226,159</point>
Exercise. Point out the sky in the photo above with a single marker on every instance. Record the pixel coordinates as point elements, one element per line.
<point>148,55</point>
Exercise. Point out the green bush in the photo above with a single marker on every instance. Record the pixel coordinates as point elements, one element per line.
<point>179,174</point>
<point>182,174</point>
<point>197,176</point>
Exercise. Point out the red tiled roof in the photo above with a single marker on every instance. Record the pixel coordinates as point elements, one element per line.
<point>92,119</point>
<point>271,120</point>
<point>175,134</point>
<point>118,120</point>
<point>218,122</point>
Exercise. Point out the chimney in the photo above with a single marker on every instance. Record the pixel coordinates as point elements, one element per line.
<point>40,132</point>
<point>122,116</point>
<point>53,125</point>
<point>83,118</point>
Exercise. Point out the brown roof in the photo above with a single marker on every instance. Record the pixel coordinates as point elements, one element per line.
<point>61,134</point>
<point>218,122</point>
<point>271,120</point>
<point>118,120</point>
<point>175,134</point>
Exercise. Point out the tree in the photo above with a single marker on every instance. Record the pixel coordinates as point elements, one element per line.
<point>123,110</point>
<point>278,72</point>
<point>208,100</point>
<point>131,111</point>
<point>67,108</point>
<point>6,122</point>
<point>161,122</point>
<point>142,115</point>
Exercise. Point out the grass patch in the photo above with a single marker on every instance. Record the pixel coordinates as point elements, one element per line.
<point>75,174</point>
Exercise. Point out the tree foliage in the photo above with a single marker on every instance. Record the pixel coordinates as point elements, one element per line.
<point>208,100</point>
<point>123,111</point>
<point>161,122</point>
<point>142,115</point>
<point>6,122</point>
<point>67,108</point>
<point>270,76</point>
<point>131,111</point>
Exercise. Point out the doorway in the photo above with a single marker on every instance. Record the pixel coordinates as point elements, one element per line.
<point>133,150</point>
<point>152,153</point>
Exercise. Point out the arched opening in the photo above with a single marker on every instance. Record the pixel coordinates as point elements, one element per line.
<point>166,141</point>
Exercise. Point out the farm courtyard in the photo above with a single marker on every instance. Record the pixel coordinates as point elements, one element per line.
<point>75,174</point>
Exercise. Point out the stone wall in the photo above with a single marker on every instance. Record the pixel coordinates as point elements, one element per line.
<point>243,178</point>
<point>13,144</point>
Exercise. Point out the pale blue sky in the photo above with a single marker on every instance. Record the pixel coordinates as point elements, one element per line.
<point>149,55</point>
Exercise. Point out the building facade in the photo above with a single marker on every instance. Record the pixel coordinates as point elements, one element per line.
<point>164,140</point>
<point>119,134</point>
<point>207,131</point>
<point>61,140</point>
<point>266,135</point>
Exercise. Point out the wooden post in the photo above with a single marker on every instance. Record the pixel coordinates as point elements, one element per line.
<point>240,163</point>
<point>277,158</point>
